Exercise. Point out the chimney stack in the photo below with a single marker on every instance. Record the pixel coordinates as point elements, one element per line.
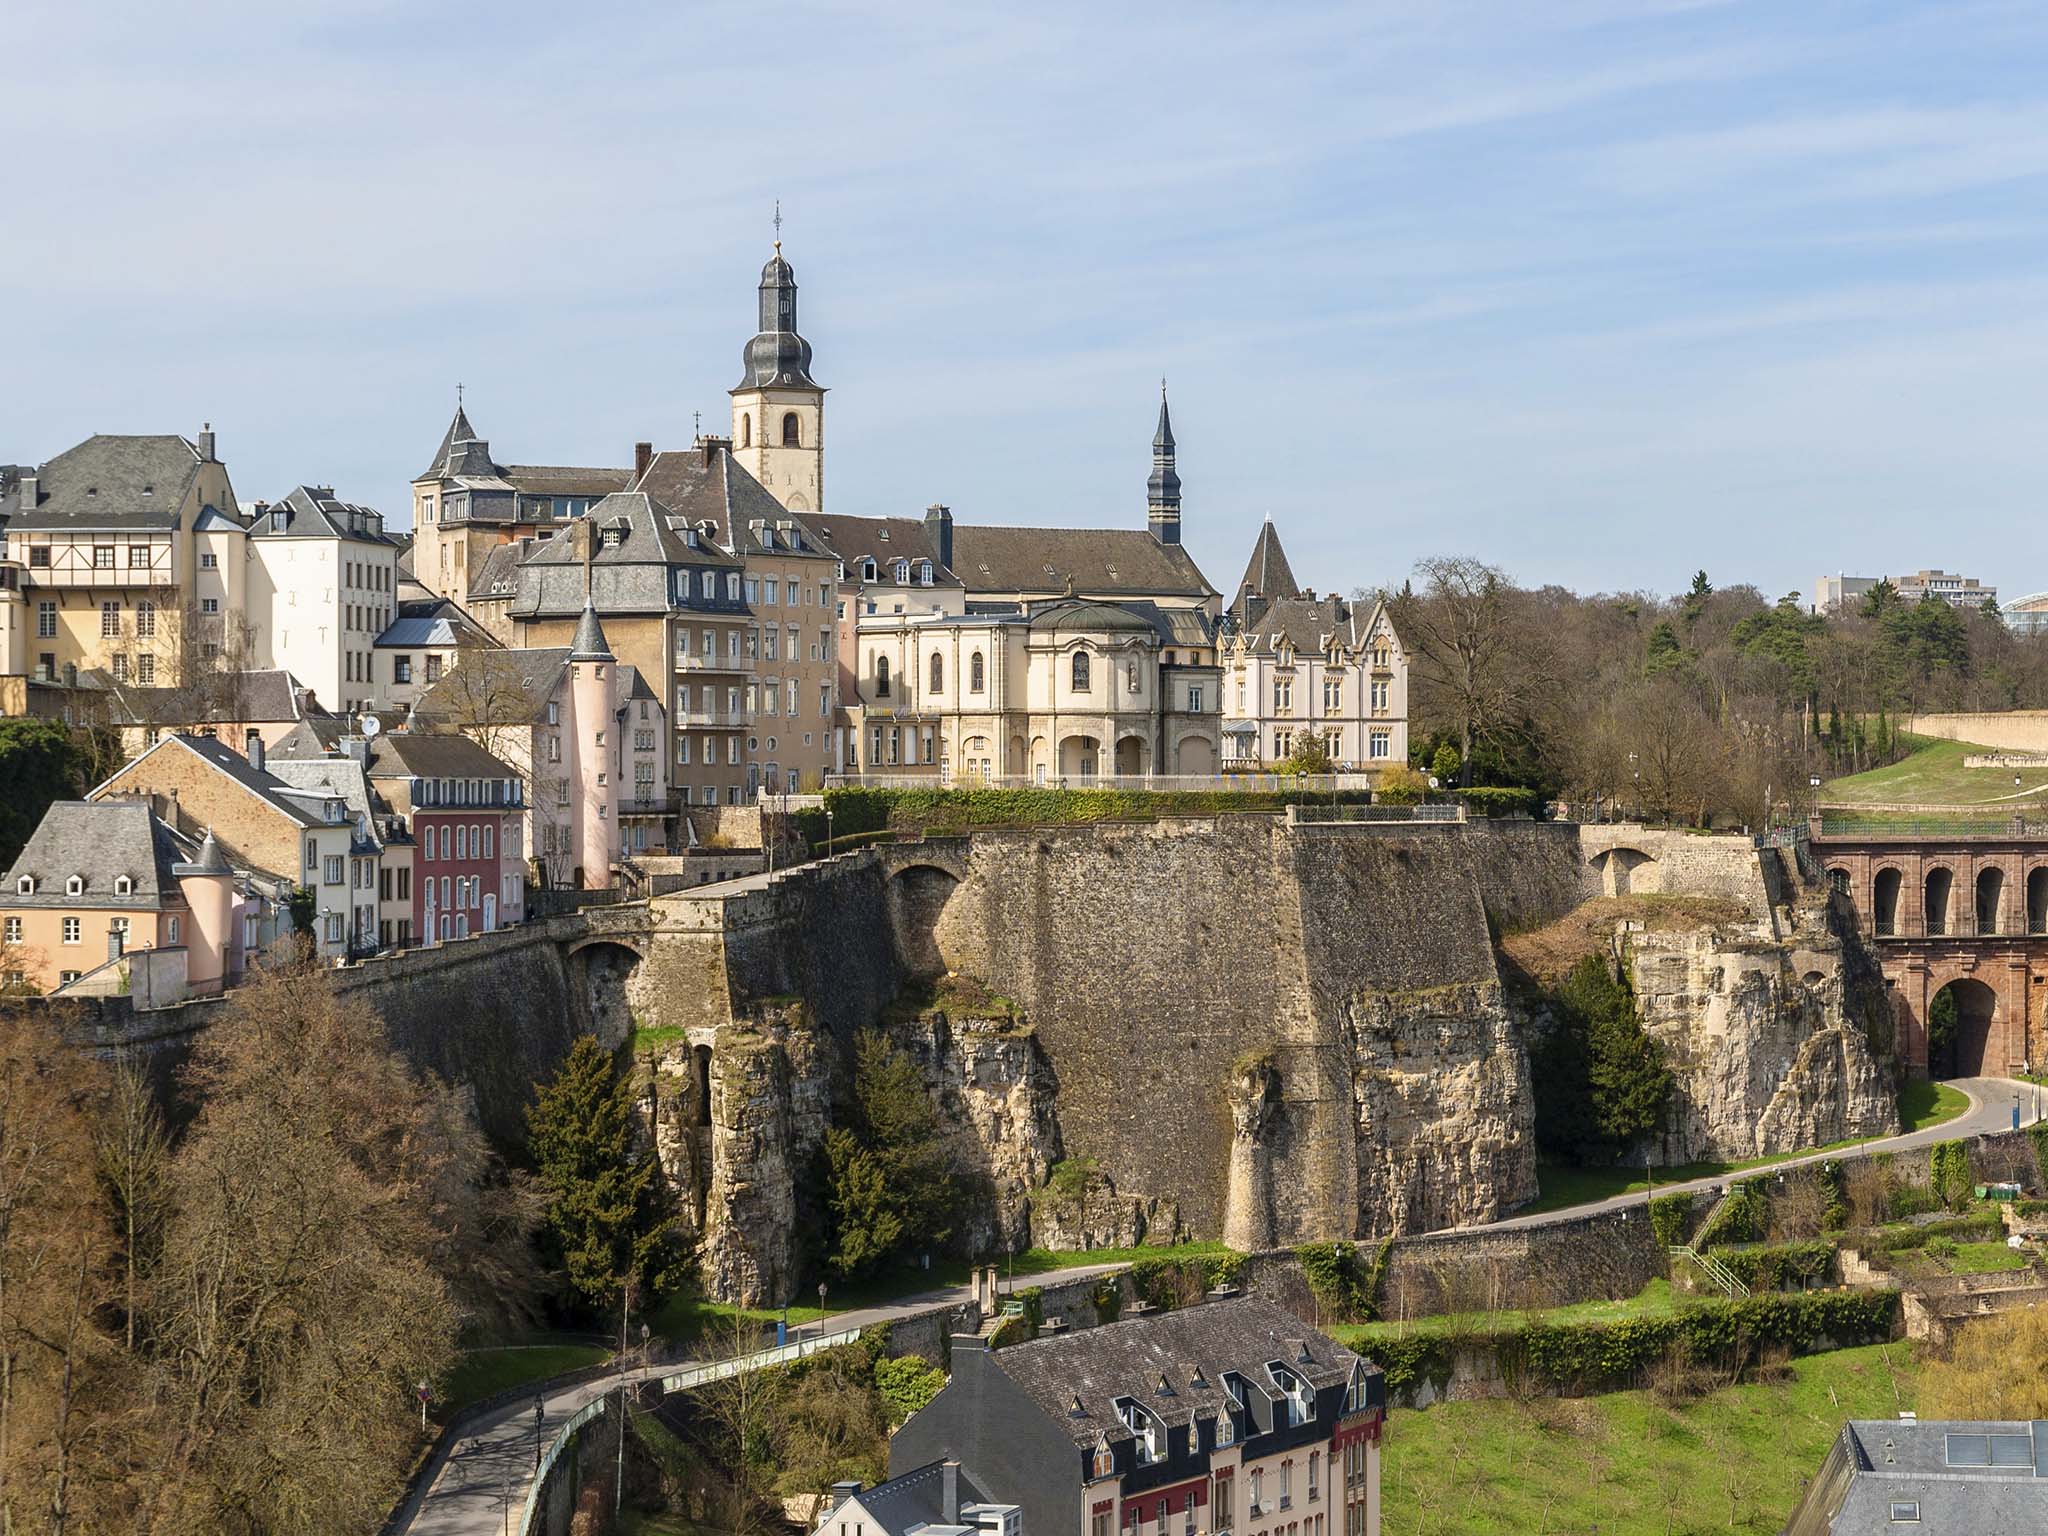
<point>949,1491</point>
<point>256,751</point>
<point>206,444</point>
<point>938,526</point>
<point>643,455</point>
<point>842,1490</point>
<point>70,674</point>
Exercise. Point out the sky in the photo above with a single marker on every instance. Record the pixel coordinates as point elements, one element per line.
<point>1600,292</point>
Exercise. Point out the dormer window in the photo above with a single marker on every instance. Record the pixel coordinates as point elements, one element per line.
<point>1103,1464</point>
<point>1149,1433</point>
<point>25,886</point>
<point>75,886</point>
<point>901,572</point>
<point>1226,1427</point>
<point>610,539</point>
<point>924,573</point>
<point>1300,1406</point>
<point>869,572</point>
<point>124,885</point>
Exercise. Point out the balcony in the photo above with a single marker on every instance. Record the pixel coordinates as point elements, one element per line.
<point>713,719</point>
<point>694,661</point>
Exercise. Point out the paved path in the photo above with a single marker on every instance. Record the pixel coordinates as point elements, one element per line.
<point>479,1485</point>
<point>1991,1101</point>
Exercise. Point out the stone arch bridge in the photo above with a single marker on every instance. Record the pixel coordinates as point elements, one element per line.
<point>1959,908</point>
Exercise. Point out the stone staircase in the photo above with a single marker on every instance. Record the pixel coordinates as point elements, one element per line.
<point>1720,1274</point>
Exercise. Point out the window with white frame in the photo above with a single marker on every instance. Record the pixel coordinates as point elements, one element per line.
<point>71,930</point>
<point>1380,745</point>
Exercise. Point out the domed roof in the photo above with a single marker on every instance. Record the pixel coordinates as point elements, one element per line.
<point>777,356</point>
<point>1080,614</point>
<point>776,273</point>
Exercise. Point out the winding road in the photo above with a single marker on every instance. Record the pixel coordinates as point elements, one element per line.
<point>478,1482</point>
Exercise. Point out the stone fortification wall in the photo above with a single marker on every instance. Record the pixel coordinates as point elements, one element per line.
<point>1625,859</point>
<point>2010,730</point>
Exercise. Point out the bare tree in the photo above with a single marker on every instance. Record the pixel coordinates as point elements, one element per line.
<point>737,1412</point>
<point>1461,632</point>
<point>133,1157</point>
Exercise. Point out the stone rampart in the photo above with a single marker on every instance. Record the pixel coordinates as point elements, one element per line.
<point>1627,859</point>
<point>2009,730</point>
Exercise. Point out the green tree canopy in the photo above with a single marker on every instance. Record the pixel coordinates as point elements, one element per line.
<point>1600,1080</point>
<point>893,1190</point>
<point>39,762</point>
<point>606,1219</point>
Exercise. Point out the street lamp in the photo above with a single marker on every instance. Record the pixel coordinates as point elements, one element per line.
<point>645,1334</point>
<point>821,1308</point>
<point>539,1413</point>
<point>423,1389</point>
<point>1813,783</point>
<point>828,831</point>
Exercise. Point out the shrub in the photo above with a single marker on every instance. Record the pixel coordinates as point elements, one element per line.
<point>907,1383</point>
<point>1600,1080</point>
<point>1670,1216</point>
<point>1107,1298</point>
<point>1496,801</point>
<point>1779,1266</point>
<point>859,810</point>
<point>1948,1173</point>
<point>1939,1248</point>
<point>1740,1218</point>
<point>1401,785</point>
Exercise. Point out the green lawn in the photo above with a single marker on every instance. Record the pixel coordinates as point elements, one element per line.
<point>1622,1464</point>
<point>1923,1103</point>
<point>1935,775</point>
<point>483,1373</point>
<point>1656,1299</point>
<point>1985,1259</point>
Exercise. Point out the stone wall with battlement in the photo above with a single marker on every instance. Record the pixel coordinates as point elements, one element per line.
<point>1627,859</point>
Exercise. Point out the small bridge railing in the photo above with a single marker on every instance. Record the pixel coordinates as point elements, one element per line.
<point>1722,1276</point>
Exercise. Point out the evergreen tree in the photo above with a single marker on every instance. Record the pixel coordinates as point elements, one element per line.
<point>1600,1082</point>
<point>1664,651</point>
<point>1445,765</point>
<point>892,1188</point>
<point>39,762</point>
<point>606,1221</point>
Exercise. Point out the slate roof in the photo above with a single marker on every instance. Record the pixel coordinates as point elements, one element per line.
<point>459,431</point>
<point>588,643</point>
<point>113,482</point>
<point>303,806</point>
<point>99,840</point>
<point>1267,574</point>
<point>706,484</point>
<point>497,578</point>
<point>434,755</point>
<point>465,456</point>
<point>567,479</point>
<point>1307,624</point>
<point>1130,1358</point>
<point>1102,561</point>
<point>431,622</point>
<point>916,1498</point>
<point>260,694</point>
<point>342,776</point>
<point>1889,1460</point>
<point>513,687</point>
<point>883,540</point>
<point>629,577</point>
<point>314,511</point>
<point>1079,614</point>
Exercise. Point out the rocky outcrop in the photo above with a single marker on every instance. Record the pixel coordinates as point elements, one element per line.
<point>1446,1118</point>
<point>1776,1043</point>
<point>1092,1214</point>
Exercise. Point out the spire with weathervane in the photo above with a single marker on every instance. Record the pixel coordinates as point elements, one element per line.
<point>778,409</point>
<point>1162,491</point>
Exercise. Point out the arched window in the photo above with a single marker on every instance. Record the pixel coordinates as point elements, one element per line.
<point>881,677</point>
<point>792,431</point>
<point>938,671</point>
<point>1081,683</point>
<point>974,673</point>
<point>746,429</point>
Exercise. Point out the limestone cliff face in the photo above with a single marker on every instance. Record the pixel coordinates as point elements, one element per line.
<point>1446,1118</point>
<point>1777,1041</point>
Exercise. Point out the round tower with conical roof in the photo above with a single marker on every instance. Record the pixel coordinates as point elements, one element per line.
<point>593,787</point>
<point>778,409</point>
<point>208,886</point>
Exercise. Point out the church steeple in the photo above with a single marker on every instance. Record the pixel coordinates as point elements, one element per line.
<point>1162,491</point>
<point>778,409</point>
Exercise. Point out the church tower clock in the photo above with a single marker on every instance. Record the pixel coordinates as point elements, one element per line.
<point>778,410</point>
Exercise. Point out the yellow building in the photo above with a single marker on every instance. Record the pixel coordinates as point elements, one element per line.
<point>110,537</point>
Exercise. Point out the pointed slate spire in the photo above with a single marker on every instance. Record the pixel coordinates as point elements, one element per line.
<point>459,431</point>
<point>1162,491</point>
<point>778,356</point>
<point>589,644</point>
<point>208,861</point>
<point>1267,577</point>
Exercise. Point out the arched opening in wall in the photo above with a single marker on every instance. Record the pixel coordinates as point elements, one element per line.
<point>1624,870</point>
<point>700,1060</point>
<point>602,979</point>
<point>1959,1020</point>
<point>1018,761</point>
<point>1990,893</point>
<point>1197,755</point>
<point>1080,757</point>
<point>792,430</point>
<point>1132,755</point>
<point>1885,920</point>
<point>2037,900</point>
<point>1940,885</point>
<point>746,430</point>
<point>918,898</point>
<point>1838,881</point>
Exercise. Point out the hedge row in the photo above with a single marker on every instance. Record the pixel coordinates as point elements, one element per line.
<point>1491,801</point>
<point>1780,1266</point>
<point>1589,1356</point>
<point>858,809</point>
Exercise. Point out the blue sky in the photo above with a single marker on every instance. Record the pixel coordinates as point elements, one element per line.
<point>1599,291</point>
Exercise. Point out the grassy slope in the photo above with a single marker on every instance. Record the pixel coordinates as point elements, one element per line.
<point>1923,1103</point>
<point>1622,1464</point>
<point>484,1372</point>
<point>1654,1300</point>
<point>1934,775</point>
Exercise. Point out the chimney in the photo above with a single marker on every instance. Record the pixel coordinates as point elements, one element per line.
<point>643,455</point>
<point>29,482</point>
<point>206,444</point>
<point>949,1491</point>
<point>256,751</point>
<point>70,674</point>
<point>841,1492</point>
<point>938,527</point>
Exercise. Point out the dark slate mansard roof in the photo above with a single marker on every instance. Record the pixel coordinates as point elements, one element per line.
<point>315,511</point>
<point>1104,560</point>
<point>630,577</point>
<point>1095,1366</point>
<point>705,484</point>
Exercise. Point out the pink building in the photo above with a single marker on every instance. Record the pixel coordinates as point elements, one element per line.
<point>467,813</point>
